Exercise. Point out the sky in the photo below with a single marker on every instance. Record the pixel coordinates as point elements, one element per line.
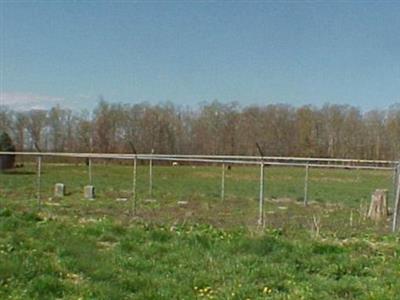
<point>254,53</point>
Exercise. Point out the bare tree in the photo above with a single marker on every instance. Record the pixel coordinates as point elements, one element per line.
<point>5,119</point>
<point>21,122</point>
<point>36,124</point>
<point>212,128</point>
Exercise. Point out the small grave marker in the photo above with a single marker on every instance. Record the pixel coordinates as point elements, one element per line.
<point>89,192</point>
<point>149,201</point>
<point>59,190</point>
<point>182,203</point>
<point>121,199</point>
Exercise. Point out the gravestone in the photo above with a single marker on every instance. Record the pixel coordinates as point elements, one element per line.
<point>59,190</point>
<point>378,208</point>
<point>89,192</point>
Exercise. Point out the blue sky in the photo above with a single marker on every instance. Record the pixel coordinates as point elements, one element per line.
<point>188,52</point>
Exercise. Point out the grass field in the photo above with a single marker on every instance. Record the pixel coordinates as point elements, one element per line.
<point>73,248</point>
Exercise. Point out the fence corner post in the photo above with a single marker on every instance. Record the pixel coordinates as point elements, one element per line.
<point>396,201</point>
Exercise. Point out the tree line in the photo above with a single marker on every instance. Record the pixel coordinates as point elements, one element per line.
<point>341,131</point>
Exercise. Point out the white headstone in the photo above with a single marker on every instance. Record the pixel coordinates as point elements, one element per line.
<point>88,192</point>
<point>59,190</point>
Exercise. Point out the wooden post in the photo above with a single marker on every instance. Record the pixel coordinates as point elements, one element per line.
<point>397,204</point>
<point>223,183</point>
<point>378,209</point>
<point>306,186</point>
<point>134,197</point>
<point>261,198</point>
<point>38,181</point>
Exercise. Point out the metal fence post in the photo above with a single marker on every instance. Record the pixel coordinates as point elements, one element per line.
<point>134,197</point>
<point>261,199</point>
<point>38,181</point>
<point>90,171</point>
<point>223,183</point>
<point>306,186</point>
<point>151,175</point>
<point>395,176</point>
<point>397,200</point>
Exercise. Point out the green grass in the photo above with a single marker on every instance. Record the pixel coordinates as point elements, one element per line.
<point>78,249</point>
<point>76,258</point>
<point>351,187</point>
<point>200,187</point>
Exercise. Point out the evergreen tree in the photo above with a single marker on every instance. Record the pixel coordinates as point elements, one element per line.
<point>6,145</point>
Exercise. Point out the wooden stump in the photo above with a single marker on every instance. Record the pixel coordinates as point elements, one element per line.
<point>378,208</point>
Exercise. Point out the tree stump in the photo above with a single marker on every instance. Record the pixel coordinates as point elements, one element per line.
<point>378,208</point>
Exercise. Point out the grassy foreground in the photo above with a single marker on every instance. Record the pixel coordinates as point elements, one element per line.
<point>78,258</point>
<point>207,249</point>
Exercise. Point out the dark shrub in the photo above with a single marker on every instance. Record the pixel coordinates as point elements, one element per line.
<point>6,145</point>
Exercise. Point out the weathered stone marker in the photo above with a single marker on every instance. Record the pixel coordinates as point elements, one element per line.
<point>59,190</point>
<point>378,208</point>
<point>89,192</point>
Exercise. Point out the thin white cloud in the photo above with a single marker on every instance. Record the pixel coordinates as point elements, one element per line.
<point>27,101</point>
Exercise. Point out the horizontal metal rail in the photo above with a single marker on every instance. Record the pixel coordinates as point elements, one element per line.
<point>269,158</point>
<point>223,157</point>
<point>266,163</point>
<point>250,160</point>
